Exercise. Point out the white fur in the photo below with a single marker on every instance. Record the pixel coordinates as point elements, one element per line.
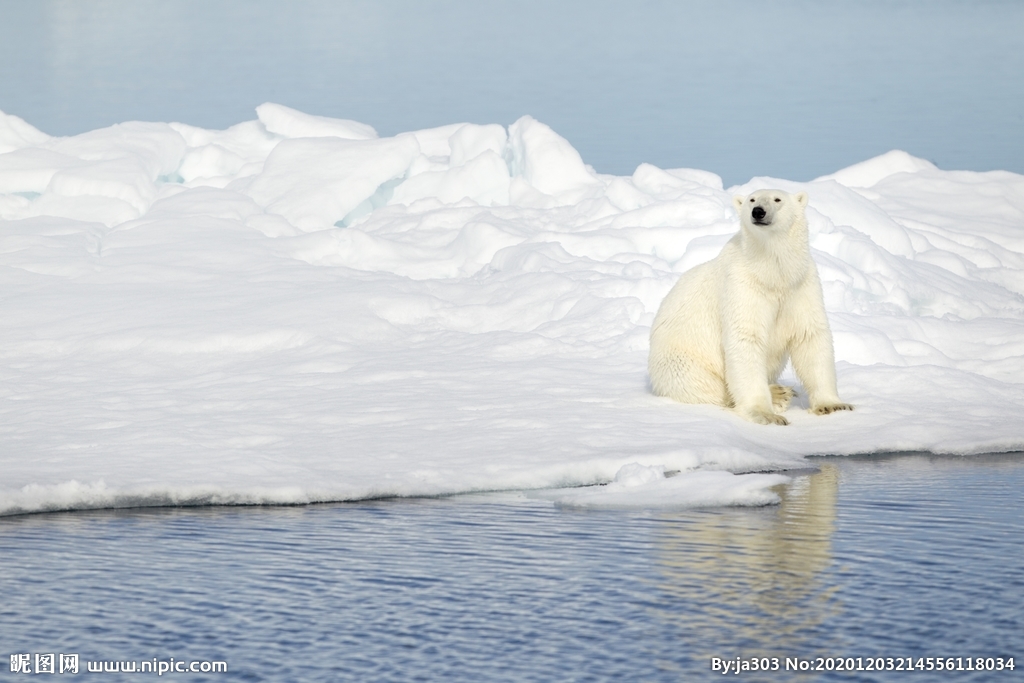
<point>725,331</point>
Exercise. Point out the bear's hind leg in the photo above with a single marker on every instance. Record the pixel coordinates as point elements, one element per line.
<point>685,380</point>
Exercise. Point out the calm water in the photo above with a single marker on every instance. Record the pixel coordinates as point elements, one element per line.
<point>882,556</point>
<point>789,88</point>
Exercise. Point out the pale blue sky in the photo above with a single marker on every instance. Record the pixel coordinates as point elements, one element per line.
<point>791,88</point>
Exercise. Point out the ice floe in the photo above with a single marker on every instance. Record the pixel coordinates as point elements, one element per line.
<point>295,309</point>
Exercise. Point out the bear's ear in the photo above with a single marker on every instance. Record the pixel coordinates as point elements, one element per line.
<point>737,202</point>
<point>801,198</point>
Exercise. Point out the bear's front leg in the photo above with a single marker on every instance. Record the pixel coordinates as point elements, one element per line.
<point>814,362</point>
<point>746,367</point>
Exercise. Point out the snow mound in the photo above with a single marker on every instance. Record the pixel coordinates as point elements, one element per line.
<point>871,172</point>
<point>15,133</point>
<point>296,310</point>
<point>290,123</point>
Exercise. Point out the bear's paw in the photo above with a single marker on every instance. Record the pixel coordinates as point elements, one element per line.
<point>762,417</point>
<point>827,408</point>
<point>781,396</point>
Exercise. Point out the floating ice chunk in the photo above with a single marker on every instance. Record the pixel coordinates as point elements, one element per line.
<point>317,182</point>
<point>639,486</point>
<point>291,123</point>
<point>15,133</point>
<point>869,173</point>
<point>470,141</point>
<point>547,161</point>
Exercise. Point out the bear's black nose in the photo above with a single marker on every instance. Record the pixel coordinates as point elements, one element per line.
<point>757,213</point>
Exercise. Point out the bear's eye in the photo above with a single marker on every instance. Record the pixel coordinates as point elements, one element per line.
<point>751,200</point>
<point>777,199</point>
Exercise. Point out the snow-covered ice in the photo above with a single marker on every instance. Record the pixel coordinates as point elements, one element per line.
<point>636,485</point>
<point>295,309</point>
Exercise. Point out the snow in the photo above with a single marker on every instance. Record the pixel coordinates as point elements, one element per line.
<point>295,309</point>
<point>315,182</point>
<point>637,486</point>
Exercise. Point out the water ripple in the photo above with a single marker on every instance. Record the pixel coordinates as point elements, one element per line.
<point>884,556</point>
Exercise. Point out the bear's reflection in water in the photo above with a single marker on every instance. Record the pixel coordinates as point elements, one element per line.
<point>754,576</point>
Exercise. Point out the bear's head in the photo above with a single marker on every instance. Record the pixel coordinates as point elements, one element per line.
<point>767,208</point>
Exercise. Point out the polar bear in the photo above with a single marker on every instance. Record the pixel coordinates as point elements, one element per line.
<point>724,332</point>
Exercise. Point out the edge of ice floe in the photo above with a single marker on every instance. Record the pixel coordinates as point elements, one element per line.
<point>634,486</point>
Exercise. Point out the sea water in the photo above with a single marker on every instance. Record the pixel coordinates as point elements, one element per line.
<point>869,559</point>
